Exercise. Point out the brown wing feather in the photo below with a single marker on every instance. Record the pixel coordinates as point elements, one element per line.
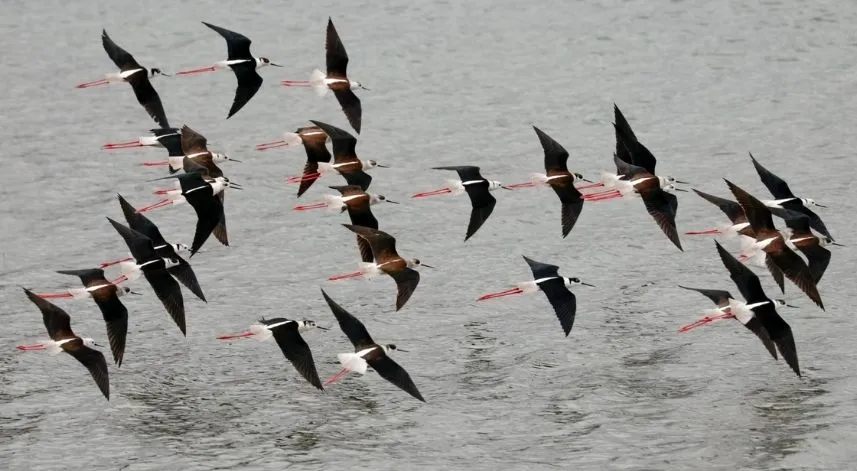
<point>775,272</point>
<point>57,322</point>
<point>406,282</point>
<point>796,270</point>
<point>365,250</point>
<point>192,141</point>
<point>383,244</point>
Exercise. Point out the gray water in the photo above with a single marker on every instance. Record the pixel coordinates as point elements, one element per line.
<point>702,83</point>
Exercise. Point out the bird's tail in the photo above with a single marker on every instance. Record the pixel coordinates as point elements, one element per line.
<point>316,81</point>
<point>352,362</point>
<point>369,269</point>
<point>334,203</point>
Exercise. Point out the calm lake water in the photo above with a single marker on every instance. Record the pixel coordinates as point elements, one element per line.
<point>702,83</point>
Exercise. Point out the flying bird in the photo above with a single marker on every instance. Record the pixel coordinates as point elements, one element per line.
<point>558,177</point>
<point>724,301</point>
<point>136,75</point>
<point>183,271</point>
<point>368,353</point>
<point>477,188</point>
<point>779,258</point>
<point>154,268</point>
<point>242,63</point>
<point>765,310</point>
<point>63,339</point>
<point>387,262</point>
<point>786,199</point>
<point>336,79</point>
<point>287,334</point>
<point>557,288</point>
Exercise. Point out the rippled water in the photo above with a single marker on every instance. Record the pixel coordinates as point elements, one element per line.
<point>702,83</point>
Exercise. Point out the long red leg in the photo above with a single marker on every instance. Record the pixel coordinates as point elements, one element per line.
<point>272,145</point>
<point>521,185</point>
<point>197,71</point>
<point>342,373</point>
<point>159,204</point>
<point>705,320</point>
<point>355,274</point>
<point>424,194</point>
<point>591,185</point>
<point>500,294</point>
<point>305,207</point>
<point>122,145</point>
<point>115,262</point>
<point>241,335</point>
<point>94,83</point>
<point>65,295</point>
<point>705,232</point>
<point>28,348</point>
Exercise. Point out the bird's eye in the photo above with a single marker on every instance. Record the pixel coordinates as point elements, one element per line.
<point>575,280</point>
<point>382,197</point>
<point>416,261</point>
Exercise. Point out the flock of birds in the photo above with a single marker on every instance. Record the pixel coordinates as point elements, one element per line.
<point>201,184</point>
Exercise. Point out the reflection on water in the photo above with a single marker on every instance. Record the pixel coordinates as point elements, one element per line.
<point>783,419</point>
<point>480,371</point>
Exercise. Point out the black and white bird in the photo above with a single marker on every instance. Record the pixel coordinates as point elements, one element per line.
<point>132,72</point>
<point>287,334</point>
<point>183,271</point>
<point>151,266</point>
<point>63,339</point>
<point>242,63</point>
<point>557,288</point>
<point>368,353</point>
<point>336,79</point>
<point>786,199</point>
<point>558,177</point>
<point>764,308</point>
<point>201,194</point>
<point>477,188</point>
<point>726,303</point>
